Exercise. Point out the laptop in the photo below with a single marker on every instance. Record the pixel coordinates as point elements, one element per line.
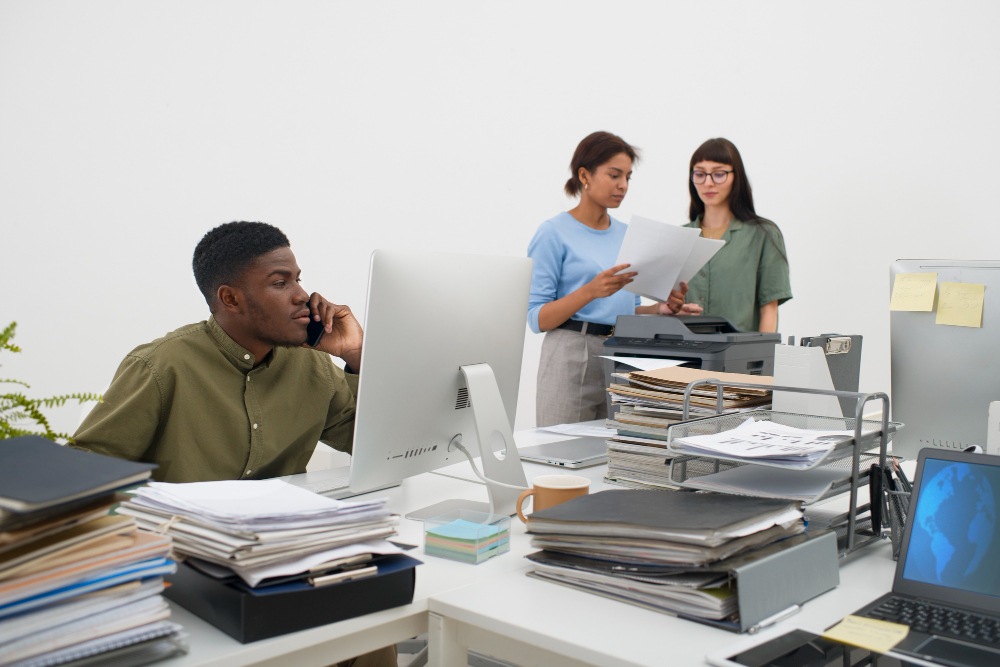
<point>575,453</point>
<point>332,483</point>
<point>947,582</point>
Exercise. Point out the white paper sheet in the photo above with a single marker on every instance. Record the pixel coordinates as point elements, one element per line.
<point>767,441</point>
<point>702,251</point>
<point>663,255</point>
<point>806,367</point>
<point>768,482</point>
<point>255,575</point>
<point>251,505</point>
<point>645,363</point>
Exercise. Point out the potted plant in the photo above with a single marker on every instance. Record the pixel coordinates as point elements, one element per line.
<point>20,415</point>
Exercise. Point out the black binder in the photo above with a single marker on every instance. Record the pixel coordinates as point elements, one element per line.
<point>36,473</point>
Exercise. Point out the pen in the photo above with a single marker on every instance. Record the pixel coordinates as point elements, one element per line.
<point>771,620</point>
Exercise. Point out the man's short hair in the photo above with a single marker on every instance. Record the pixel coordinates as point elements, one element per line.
<point>224,253</point>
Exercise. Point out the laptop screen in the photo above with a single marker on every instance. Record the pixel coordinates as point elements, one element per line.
<point>955,540</point>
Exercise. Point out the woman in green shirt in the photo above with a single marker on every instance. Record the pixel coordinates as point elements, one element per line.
<point>747,279</point>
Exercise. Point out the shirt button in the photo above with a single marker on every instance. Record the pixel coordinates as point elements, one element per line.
<point>247,356</point>
<point>248,472</point>
<point>255,427</point>
<point>248,378</point>
<point>702,274</point>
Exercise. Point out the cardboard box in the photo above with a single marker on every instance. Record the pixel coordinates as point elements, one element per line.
<point>248,614</point>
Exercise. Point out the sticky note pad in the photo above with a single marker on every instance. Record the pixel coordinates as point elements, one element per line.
<point>914,291</point>
<point>868,633</point>
<point>467,541</point>
<point>961,305</point>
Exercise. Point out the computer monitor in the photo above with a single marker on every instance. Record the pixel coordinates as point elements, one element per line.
<point>944,377</point>
<point>444,336</point>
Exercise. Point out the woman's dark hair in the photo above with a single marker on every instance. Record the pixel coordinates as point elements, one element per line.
<point>593,151</point>
<point>724,151</point>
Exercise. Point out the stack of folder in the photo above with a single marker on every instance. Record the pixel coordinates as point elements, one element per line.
<point>77,585</point>
<point>671,552</point>
<point>262,530</point>
<point>650,402</point>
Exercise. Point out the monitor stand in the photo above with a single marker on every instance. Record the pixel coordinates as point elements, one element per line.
<point>494,433</point>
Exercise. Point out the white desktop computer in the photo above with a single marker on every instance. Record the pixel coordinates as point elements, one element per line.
<point>440,368</point>
<point>945,377</point>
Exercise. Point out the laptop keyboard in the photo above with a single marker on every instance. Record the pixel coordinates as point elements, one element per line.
<point>940,620</point>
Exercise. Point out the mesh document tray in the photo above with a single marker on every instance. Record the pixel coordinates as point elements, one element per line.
<point>687,466</point>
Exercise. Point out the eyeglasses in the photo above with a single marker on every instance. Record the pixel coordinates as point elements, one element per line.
<point>717,176</point>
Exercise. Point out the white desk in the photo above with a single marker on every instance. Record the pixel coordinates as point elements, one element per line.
<point>481,606</point>
<point>331,643</point>
<point>537,623</point>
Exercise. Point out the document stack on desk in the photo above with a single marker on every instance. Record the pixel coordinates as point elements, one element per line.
<point>650,402</point>
<point>263,530</point>
<point>638,463</point>
<point>75,583</point>
<point>653,400</point>
<point>766,442</point>
<point>670,552</point>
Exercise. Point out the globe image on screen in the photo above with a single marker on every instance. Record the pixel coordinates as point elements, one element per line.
<point>960,527</point>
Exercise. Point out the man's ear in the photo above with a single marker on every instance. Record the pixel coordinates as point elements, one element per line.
<point>230,298</point>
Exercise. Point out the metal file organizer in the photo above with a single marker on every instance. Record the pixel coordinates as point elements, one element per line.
<point>852,455</point>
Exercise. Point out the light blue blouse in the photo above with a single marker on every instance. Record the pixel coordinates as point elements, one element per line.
<point>567,254</point>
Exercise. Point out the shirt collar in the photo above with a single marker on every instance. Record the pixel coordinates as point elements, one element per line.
<point>734,224</point>
<point>235,353</point>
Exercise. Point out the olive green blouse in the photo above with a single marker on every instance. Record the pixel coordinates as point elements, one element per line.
<point>199,406</point>
<point>748,272</point>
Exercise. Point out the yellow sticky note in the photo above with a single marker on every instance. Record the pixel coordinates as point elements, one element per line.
<point>961,305</point>
<point>914,291</point>
<point>867,633</point>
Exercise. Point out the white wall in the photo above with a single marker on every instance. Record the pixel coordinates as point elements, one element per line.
<point>127,130</point>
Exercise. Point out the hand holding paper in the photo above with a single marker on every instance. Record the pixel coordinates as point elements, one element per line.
<point>610,281</point>
<point>663,256</point>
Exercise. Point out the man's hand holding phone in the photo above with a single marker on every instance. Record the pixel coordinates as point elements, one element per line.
<point>334,329</point>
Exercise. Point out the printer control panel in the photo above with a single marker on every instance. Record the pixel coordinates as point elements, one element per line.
<point>663,342</point>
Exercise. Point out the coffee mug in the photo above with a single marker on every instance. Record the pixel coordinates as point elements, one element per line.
<point>550,490</point>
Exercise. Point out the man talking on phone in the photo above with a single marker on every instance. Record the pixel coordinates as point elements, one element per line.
<point>240,395</point>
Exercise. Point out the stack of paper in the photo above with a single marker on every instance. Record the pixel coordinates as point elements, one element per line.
<point>664,550</point>
<point>637,462</point>
<point>650,402</point>
<point>664,256</point>
<point>766,443</point>
<point>262,529</point>
<point>75,582</point>
<point>653,400</point>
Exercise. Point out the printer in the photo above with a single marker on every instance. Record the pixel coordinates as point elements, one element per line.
<point>701,341</point>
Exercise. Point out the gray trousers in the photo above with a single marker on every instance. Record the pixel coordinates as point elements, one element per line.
<point>571,386</point>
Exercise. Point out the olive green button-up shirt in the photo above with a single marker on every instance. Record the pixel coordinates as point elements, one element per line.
<point>747,273</point>
<point>193,403</point>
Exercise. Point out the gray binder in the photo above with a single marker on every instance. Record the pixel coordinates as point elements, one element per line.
<point>843,357</point>
<point>784,580</point>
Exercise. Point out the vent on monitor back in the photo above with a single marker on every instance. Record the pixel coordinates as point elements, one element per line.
<point>462,399</point>
<point>417,451</point>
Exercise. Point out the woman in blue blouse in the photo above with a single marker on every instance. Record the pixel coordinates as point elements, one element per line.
<point>576,291</point>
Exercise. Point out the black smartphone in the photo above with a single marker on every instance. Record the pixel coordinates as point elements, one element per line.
<point>314,331</point>
<point>799,648</point>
